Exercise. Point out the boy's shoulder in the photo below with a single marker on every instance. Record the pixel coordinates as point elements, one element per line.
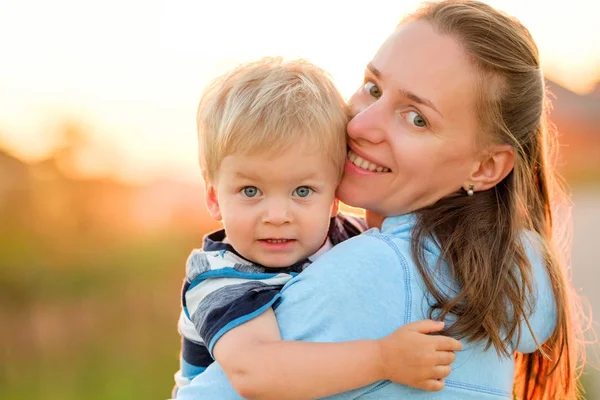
<point>218,257</point>
<point>201,261</point>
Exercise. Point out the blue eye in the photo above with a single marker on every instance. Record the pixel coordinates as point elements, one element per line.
<point>416,119</point>
<point>250,191</point>
<point>303,191</point>
<point>372,89</point>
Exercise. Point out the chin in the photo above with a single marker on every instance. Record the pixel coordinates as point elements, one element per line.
<point>353,196</point>
<point>277,263</point>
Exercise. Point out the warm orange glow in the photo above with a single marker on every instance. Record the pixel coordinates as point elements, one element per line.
<point>134,70</point>
<point>90,266</point>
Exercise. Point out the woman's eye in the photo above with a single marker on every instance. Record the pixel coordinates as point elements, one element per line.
<point>416,119</point>
<point>250,191</point>
<point>303,191</point>
<point>372,89</point>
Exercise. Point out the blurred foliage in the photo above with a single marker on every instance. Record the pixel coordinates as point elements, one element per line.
<point>89,294</point>
<point>101,327</point>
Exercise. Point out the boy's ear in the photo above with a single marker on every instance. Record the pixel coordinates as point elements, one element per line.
<point>212,201</point>
<point>493,168</point>
<point>335,208</point>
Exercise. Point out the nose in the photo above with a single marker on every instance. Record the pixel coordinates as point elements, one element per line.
<point>369,122</point>
<point>277,212</point>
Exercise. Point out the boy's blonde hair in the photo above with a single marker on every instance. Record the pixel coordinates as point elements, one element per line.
<point>268,106</point>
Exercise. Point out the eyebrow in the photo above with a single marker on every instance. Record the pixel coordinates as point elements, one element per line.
<point>406,93</point>
<point>245,176</point>
<point>310,178</point>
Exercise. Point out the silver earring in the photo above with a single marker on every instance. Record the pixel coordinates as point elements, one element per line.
<point>470,191</point>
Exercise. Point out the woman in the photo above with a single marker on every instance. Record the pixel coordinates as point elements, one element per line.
<point>449,143</point>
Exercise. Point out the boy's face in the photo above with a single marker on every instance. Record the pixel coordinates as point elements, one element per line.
<point>275,208</point>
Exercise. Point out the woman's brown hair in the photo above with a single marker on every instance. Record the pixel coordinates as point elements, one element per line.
<point>481,236</point>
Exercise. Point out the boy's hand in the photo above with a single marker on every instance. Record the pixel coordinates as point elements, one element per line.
<point>413,358</point>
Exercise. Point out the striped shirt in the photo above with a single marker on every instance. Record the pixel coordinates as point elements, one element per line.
<point>223,290</point>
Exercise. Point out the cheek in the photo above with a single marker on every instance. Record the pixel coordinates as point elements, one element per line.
<point>237,218</point>
<point>344,192</point>
<point>419,159</point>
<point>412,153</point>
<point>317,215</point>
<point>316,225</point>
<point>439,162</point>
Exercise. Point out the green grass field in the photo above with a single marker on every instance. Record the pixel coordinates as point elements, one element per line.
<point>100,326</point>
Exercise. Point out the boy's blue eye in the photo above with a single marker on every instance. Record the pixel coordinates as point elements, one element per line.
<point>303,191</point>
<point>250,191</point>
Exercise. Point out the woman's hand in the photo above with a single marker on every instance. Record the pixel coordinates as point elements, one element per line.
<point>413,357</point>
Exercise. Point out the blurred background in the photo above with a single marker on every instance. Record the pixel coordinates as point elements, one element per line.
<point>100,195</point>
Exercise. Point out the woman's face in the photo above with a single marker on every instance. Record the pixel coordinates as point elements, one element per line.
<point>412,140</point>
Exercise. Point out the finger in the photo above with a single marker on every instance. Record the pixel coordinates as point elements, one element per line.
<point>441,371</point>
<point>434,385</point>
<point>445,357</point>
<point>425,326</point>
<point>445,343</point>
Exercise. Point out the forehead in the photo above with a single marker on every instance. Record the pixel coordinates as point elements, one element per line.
<point>432,65</point>
<point>289,166</point>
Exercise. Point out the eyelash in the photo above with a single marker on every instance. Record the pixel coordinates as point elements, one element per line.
<point>365,82</point>
<point>405,114</point>
<point>312,191</point>
<point>242,190</point>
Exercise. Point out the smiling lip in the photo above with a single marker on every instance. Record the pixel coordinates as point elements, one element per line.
<point>362,164</point>
<point>274,244</point>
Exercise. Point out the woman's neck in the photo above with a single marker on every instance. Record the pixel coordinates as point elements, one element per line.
<point>374,220</point>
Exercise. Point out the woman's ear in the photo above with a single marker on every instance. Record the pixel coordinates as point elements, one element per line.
<point>494,166</point>
<point>212,200</point>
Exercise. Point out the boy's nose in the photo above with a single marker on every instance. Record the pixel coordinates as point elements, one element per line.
<point>277,214</point>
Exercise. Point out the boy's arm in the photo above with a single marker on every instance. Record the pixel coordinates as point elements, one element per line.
<point>262,366</point>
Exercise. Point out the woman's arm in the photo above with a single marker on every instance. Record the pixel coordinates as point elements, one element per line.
<point>262,366</point>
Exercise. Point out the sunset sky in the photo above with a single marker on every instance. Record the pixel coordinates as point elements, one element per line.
<point>132,71</point>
